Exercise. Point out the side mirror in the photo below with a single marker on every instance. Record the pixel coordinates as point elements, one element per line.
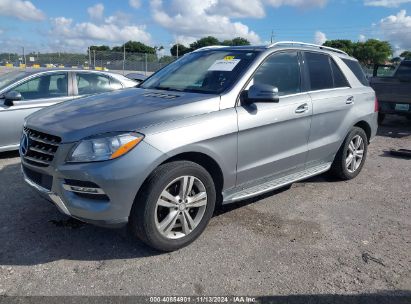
<point>11,96</point>
<point>262,93</point>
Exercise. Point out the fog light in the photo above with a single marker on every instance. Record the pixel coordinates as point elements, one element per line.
<point>79,189</point>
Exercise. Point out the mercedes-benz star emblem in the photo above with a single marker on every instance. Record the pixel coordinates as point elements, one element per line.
<point>24,144</point>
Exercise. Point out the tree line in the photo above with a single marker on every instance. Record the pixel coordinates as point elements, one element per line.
<point>180,49</point>
<point>370,52</point>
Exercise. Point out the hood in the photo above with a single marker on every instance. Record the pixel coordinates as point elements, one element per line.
<point>125,110</point>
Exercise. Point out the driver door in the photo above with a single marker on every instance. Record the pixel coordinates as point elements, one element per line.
<point>37,92</point>
<point>273,137</point>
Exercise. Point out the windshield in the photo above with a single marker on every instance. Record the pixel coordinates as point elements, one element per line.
<point>10,77</point>
<point>209,72</point>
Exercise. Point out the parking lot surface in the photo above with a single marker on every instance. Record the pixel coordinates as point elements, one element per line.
<point>322,236</point>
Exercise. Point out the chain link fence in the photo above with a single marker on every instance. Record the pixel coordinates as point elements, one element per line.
<point>98,60</point>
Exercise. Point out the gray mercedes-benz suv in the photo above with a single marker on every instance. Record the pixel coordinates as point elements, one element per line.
<point>220,124</point>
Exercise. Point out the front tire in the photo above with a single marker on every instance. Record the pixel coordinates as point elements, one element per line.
<point>351,157</point>
<point>174,206</point>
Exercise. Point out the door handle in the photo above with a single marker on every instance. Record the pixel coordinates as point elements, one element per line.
<point>302,109</point>
<point>350,100</point>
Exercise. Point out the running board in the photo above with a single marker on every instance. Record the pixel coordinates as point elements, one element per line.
<point>273,184</point>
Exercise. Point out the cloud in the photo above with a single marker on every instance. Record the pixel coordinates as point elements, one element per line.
<point>320,38</point>
<point>134,3</point>
<point>397,29</point>
<point>362,38</point>
<point>23,10</point>
<point>297,3</point>
<point>385,3</point>
<point>68,34</point>
<point>96,11</point>
<point>216,17</point>
<point>200,18</point>
<point>237,9</point>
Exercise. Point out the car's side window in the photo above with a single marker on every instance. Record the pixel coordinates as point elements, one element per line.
<point>319,70</point>
<point>339,79</point>
<point>281,70</point>
<point>46,86</point>
<point>93,83</point>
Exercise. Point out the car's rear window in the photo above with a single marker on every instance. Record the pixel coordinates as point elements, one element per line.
<point>357,70</point>
<point>404,70</point>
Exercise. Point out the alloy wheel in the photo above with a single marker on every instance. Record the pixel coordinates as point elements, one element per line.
<point>355,154</point>
<point>180,207</point>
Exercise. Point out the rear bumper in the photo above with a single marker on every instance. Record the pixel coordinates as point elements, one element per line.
<point>390,108</point>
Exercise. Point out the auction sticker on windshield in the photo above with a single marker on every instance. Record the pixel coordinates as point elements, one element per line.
<point>224,65</point>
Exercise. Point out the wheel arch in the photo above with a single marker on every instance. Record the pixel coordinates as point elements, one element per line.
<point>207,162</point>
<point>366,127</point>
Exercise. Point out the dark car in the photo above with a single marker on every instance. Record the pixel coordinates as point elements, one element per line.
<point>393,88</point>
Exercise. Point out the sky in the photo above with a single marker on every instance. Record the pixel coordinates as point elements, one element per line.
<point>73,25</point>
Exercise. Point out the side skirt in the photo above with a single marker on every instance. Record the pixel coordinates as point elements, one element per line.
<point>266,185</point>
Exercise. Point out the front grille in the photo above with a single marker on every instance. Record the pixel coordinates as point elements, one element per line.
<point>41,148</point>
<point>40,179</point>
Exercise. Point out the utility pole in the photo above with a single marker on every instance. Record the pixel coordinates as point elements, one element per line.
<point>272,36</point>
<point>146,64</point>
<point>24,56</point>
<point>124,57</point>
<point>177,49</point>
<point>94,60</point>
<point>89,57</point>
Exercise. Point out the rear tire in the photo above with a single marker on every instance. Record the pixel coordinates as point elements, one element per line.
<point>174,206</point>
<point>351,156</point>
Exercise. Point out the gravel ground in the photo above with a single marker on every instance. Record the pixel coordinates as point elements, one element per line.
<point>320,237</point>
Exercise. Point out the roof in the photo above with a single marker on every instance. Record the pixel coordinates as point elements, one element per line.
<point>280,44</point>
<point>31,71</point>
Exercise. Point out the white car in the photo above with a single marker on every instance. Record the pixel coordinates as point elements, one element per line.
<point>23,92</point>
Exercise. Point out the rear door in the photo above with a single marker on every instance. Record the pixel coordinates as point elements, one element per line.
<point>332,100</point>
<point>273,137</point>
<point>37,92</point>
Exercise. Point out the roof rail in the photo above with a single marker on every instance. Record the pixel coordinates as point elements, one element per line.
<point>279,43</point>
<point>210,47</point>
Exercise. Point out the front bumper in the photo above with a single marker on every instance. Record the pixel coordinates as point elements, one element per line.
<point>119,180</point>
<point>47,194</point>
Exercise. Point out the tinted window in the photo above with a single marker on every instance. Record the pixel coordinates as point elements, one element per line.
<point>338,76</point>
<point>282,71</point>
<point>47,86</point>
<point>319,70</point>
<point>93,83</point>
<point>357,70</point>
<point>404,70</point>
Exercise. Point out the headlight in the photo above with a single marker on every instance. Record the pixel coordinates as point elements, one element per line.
<point>104,147</point>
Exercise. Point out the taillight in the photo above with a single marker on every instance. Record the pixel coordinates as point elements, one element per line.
<point>376,106</point>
